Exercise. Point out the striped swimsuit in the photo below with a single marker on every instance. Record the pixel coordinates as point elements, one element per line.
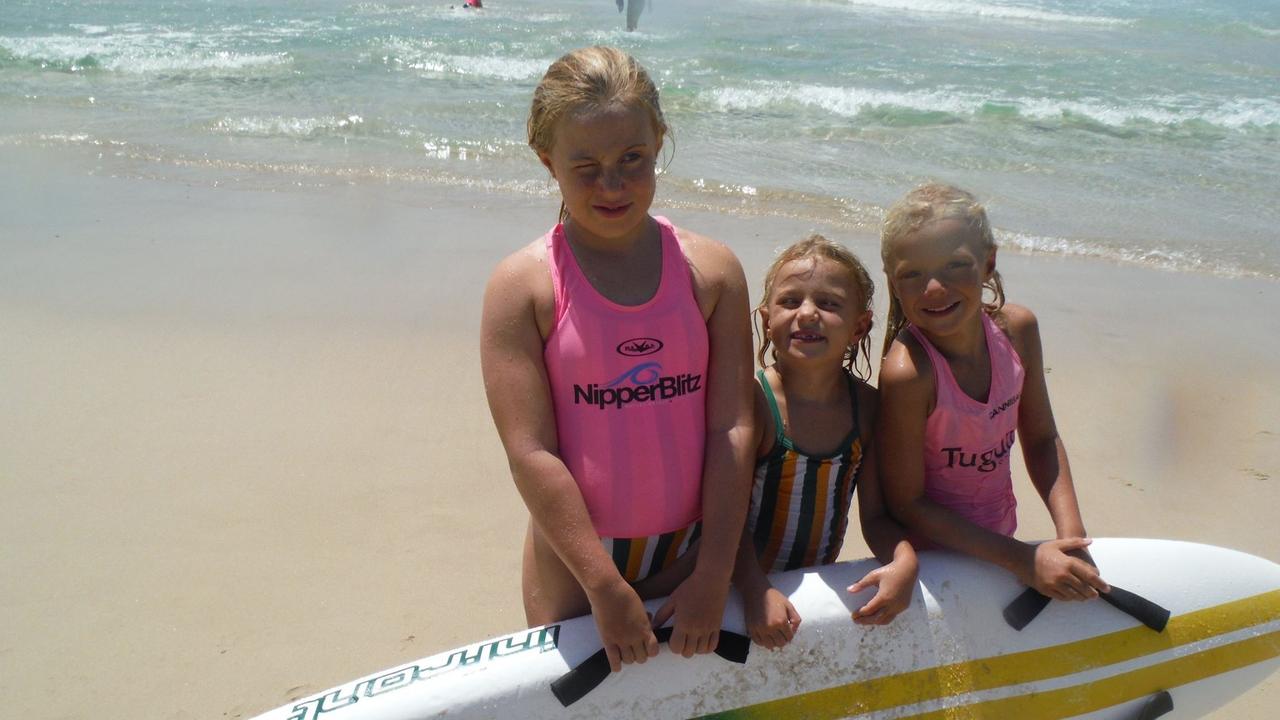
<point>638,558</point>
<point>800,502</point>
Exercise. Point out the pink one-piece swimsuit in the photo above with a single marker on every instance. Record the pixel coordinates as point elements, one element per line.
<point>967,442</point>
<point>628,385</point>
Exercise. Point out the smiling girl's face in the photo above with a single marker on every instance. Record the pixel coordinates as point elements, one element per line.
<point>815,312</point>
<point>937,274</point>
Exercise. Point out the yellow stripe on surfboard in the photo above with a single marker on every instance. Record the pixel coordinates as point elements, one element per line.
<point>1108,692</point>
<point>1016,668</point>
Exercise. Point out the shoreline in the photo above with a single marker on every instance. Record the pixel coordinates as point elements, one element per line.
<point>249,457</point>
<point>405,183</point>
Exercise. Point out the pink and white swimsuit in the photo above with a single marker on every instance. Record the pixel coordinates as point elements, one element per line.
<point>967,443</point>
<point>628,386</point>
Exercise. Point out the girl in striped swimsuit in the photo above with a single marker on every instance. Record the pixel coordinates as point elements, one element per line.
<point>814,421</point>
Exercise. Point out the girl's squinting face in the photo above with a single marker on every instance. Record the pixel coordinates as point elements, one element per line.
<point>815,311</point>
<point>603,161</point>
<point>937,272</point>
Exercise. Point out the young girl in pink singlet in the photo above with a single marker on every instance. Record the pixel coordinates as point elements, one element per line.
<point>960,379</point>
<point>616,355</point>
<point>815,420</point>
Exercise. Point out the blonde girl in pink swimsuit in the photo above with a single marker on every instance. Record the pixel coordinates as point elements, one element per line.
<point>960,379</point>
<point>616,353</point>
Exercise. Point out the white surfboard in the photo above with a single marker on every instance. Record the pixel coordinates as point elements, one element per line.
<point>951,654</point>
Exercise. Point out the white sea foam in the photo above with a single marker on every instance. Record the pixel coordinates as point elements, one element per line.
<point>1237,114</point>
<point>1158,257</point>
<point>986,11</point>
<point>1246,112</point>
<point>417,55</point>
<point>1097,111</point>
<point>845,101</point>
<point>134,53</point>
<point>482,66</point>
<point>221,60</point>
<point>1260,30</point>
<point>92,29</point>
<point>278,125</point>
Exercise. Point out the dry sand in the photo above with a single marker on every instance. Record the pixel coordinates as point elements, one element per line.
<point>245,451</point>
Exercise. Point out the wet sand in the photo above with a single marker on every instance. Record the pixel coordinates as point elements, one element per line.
<point>246,453</point>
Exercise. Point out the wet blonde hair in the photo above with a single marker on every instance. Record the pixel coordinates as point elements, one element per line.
<point>815,247</point>
<point>925,204</point>
<point>590,78</point>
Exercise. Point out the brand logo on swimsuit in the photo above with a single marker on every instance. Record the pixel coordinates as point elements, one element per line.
<point>983,462</point>
<point>1004,406</point>
<point>639,347</point>
<point>642,383</point>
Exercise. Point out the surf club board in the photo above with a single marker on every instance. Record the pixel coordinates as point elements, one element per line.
<point>1193,627</point>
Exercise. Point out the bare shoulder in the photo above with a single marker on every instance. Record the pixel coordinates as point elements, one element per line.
<point>1022,327</point>
<point>711,259</point>
<point>521,283</point>
<point>715,272</point>
<point>1019,319</point>
<point>527,263</point>
<point>906,363</point>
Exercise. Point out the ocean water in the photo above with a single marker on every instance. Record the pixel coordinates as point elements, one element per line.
<point>1143,131</point>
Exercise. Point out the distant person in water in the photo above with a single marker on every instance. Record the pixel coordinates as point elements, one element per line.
<point>634,8</point>
<point>473,4</point>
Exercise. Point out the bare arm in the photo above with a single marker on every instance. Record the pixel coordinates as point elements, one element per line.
<point>698,604</point>
<point>771,619</point>
<point>885,537</point>
<point>1063,569</point>
<point>1042,448</point>
<point>748,576</point>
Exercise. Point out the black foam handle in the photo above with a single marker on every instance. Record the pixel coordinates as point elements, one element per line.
<point>1138,607</point>
<point>1028,605</point>
<point>574,685</point>
<point>1159,704</point>
<point>1025,608</point>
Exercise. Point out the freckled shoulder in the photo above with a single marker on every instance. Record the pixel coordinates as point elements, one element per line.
<point>524,278</point>
<point>716,274</point>
<point>714,264</point>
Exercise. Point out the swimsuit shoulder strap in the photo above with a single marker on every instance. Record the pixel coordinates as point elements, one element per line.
<point>780,437</point>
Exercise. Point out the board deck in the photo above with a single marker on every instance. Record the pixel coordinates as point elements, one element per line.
<point>950,654</point>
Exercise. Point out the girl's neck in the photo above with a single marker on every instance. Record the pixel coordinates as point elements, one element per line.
<point>625,270</point>
<point>811,383</point>
<point>967,344</point>
<point>634,240</point>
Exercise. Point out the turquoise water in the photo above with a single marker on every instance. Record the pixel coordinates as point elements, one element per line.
<point>1139,130</point>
